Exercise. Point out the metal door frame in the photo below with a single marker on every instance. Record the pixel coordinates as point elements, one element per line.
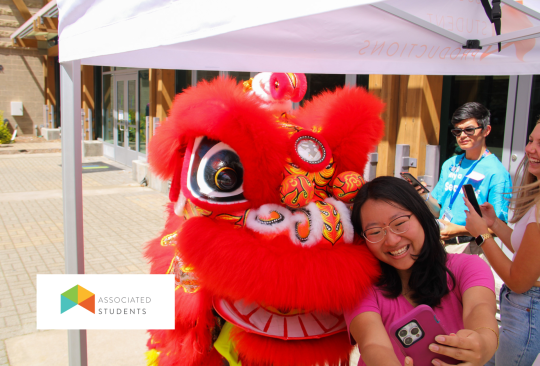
<point>123,154</point>
<point>517,121</point>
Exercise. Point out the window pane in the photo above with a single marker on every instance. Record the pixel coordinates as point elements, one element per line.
<point>362,81</point>
<point>492,92</point>
<point>317,83</point>
<point>144,107</point>
<point>121,113</point>
<point>182,80</point>
<point>132,115</point>
<point>108,118</point>
<point>534,109</point>
<point>206,75</point>
<point>240,75</point>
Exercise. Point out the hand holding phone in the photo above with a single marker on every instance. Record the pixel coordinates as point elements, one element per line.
<point>414,182</point>
<point>415,331</point>
<point>468,191</point>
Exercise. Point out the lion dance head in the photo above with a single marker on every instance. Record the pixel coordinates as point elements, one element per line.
<point>259,236</point>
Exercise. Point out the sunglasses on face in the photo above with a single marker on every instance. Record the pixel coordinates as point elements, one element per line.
<point>469,131</point>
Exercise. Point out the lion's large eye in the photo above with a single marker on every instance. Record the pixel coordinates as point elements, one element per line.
<point>216,172</point>
<point>221,168</point>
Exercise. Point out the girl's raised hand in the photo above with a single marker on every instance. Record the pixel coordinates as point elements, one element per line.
<point>466,346</point>
<point>475,224</point>
<point>488,213</point>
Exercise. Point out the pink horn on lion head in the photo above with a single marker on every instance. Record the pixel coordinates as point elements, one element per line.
<point>288,86</point>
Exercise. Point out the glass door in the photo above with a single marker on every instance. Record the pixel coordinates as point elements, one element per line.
<point>126,118</point>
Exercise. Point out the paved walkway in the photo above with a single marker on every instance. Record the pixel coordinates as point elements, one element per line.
<point>28,144</point>
<point>119,217</point>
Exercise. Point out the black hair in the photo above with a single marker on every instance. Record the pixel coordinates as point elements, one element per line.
<point>472,110</point>
<point>428,282</point>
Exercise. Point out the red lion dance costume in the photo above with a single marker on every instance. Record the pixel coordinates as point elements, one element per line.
<point>259,235</point>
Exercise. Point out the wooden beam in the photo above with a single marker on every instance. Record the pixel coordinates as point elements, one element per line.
<point>87,96</point>
<point>386,87</point>
<point>50,25</point>
<point>24,42</point>
<point>165,93</point>
<point>21,7</point>
<point>52,51</point>
<point>152,79</point>
<point>420,112</point>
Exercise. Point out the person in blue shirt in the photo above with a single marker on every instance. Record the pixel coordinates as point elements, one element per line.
<point>477,166</point>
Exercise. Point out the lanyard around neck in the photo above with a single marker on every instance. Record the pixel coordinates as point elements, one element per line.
<point>456,193</point>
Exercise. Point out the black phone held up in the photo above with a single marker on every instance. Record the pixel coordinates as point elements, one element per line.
<point>414,182</point>
<point>468,191</point>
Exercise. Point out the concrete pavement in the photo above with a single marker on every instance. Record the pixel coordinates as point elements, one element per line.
<point>119,217</point>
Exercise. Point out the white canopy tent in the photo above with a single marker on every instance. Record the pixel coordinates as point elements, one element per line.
<point>341,36</point>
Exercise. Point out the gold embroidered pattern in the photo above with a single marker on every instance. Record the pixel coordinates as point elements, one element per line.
<point>169,239</point>
<point>184,275</point>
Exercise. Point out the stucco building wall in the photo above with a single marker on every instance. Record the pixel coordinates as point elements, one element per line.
<point>22,75</point>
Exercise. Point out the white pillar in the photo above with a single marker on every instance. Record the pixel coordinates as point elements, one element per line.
<point>70,95</point>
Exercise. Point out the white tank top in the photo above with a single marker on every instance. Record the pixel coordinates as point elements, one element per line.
<point>519,230</point>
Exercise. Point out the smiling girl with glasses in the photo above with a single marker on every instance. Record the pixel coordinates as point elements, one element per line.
<point>403,235</point>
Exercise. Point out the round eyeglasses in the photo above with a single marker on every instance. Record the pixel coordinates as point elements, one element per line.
<point>469,131</point>
<point>398,226</point>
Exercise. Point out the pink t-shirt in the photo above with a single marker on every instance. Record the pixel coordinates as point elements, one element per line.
<point>469,271</point>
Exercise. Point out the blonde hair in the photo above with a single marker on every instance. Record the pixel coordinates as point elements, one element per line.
<point>525,192</point>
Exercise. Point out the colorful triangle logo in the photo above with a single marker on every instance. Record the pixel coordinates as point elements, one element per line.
<point>77,295</point>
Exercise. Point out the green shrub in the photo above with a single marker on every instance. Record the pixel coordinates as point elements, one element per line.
<point>5,135</point>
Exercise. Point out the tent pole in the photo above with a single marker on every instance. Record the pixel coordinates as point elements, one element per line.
<point>419,22</point>
<point>70,94</point>
<point>522,8</point>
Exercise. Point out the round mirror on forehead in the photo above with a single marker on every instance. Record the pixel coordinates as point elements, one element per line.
<point>310,151</point>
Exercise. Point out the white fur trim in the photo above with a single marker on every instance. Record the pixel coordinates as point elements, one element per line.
<point>261,86</point>
<point>255,225</point>
<point>345,216</point>
<point>179,205</point>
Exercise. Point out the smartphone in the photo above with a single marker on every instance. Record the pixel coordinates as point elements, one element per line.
<point>468,191</point>
<point>415,331</point>
<point>415,183</point>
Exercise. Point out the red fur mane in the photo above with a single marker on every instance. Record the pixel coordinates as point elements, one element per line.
<point>238,263</point>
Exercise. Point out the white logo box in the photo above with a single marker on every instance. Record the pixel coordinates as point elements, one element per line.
<point>122,301</point>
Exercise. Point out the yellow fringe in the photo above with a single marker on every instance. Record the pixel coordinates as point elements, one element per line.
<point>152,357</point>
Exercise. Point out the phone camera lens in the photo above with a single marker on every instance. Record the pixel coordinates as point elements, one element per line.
<point>415,331</point>
<point>408,341</point>
<point>402,333</point>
